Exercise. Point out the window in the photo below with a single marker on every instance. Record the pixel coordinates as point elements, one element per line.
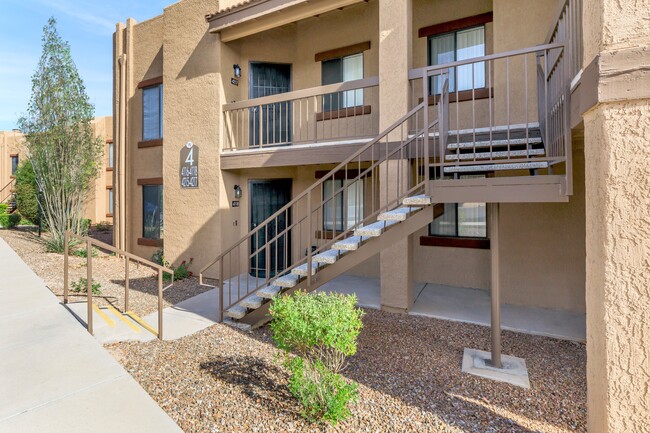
<point>152,98</point>
<point>14,164</point>
<point>152,211</point>
<point>459,45</point>
<point>111,155</point>
<point>110,201</point>
<point>334,212</point>
<point>341,69</point>
<point>461,220</point>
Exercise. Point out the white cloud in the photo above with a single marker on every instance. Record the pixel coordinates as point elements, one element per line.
<point>81,11</point>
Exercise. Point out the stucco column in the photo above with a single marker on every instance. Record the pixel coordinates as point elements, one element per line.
<point>394,62</point>
<point>617,197</point>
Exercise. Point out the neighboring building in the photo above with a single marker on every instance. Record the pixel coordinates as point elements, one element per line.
<point>275,93</point>
<point>99,204</point>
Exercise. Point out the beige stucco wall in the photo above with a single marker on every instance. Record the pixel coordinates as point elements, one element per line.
<point>192,101</point>
<point>617,178</point>
<point>11,143</point>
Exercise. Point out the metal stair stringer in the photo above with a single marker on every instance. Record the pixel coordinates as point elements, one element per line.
<point>413,223</point>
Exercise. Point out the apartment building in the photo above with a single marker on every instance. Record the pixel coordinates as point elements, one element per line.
<point>99,202</point>
<point>458,142</point>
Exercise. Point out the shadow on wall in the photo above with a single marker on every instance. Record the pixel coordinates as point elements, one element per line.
<point>198,63</point>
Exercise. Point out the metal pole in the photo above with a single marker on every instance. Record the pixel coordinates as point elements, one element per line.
<point>221,278</point>
<point>66,240</point>
<point>89,284</point>
<point>494,286</point>
<point>40,213</point>
<point>126,284</point>
<point>160,303</point>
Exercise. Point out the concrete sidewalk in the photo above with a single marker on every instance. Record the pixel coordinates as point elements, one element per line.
<point>54,376</point>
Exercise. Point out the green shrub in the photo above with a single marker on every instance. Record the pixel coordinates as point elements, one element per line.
<point>83,252</point>
<point>27,192</point>
<point>103,226</point>
<point>322,329</point>
<point>9,221</point>
<point>180,273</point>
<point>3,208</point>
<point>81,285</point>
<point>85,226</point>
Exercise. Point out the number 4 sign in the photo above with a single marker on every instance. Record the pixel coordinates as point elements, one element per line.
<point>189,171</point>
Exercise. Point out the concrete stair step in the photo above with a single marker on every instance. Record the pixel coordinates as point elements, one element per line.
<point>494,143</point>
<point>236,312</point>
<point>327,257</point>
<point>417,200</point>
<point>253,302</point>
<point>350,244</point>
<point>287,281</point>
<point>269,292</point>
<point>238,325</point>
<point>496,167</point>
<point>374,229</point>
<point>302,269</point>
<point>399,214</point>
<point>499,154</point>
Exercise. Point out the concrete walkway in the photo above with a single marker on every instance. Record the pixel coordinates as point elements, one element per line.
<point>54,376</point>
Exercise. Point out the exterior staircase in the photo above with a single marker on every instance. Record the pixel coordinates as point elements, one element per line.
<point>407,173</point>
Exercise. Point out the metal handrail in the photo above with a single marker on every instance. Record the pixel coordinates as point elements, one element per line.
<point>374,154</point>
<point>318,183</point>
<point>304,93</point>
<point>89,277</point>
<point>8,185</point>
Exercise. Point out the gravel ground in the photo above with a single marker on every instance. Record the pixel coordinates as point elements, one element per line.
<point>107,270</point>
<point>407,367</point>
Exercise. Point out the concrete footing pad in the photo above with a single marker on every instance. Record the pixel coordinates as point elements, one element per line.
<point>514,371</point>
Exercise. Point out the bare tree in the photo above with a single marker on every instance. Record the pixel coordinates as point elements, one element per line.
<point>59,137</point>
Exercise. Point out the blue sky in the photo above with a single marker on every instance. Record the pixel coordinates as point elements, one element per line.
<point>88,26</point>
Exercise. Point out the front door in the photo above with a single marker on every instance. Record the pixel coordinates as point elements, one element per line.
<point>270,124</point>
<point>266,198</point>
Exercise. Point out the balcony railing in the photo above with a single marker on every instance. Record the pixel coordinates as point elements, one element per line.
<point>567,30</point>
<point>332,113</point>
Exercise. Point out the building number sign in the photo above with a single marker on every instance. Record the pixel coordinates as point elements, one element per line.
<point>190,166</point>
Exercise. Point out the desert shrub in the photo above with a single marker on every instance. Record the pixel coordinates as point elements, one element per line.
<point>180,273</point>
<point>85,226</point>
<point>103,226</point>
<point>83,251</point>
<point>9,221</point>
<point>27,192</point>
<point>321,330</point>
<point>81,285</point>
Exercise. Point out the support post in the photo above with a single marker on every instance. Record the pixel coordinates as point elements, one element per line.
<point>66,240</point>
<point>89,284</point>
<point>221,277</point>
<point>126,284</point>
<point>494,285</point>
<point>160,303</point>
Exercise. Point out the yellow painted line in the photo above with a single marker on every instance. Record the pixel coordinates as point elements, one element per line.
<point>104,316</point>
<point>123,319</point>
<point>142,323</point>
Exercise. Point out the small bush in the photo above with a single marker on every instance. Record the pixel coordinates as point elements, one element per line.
<point>9,221</point>
<point>81,285</point>
<point>85,226</point>
<point>27,192</point>
<point>103,226</point>
<point>180,273</point>
<point>3,208</point>
<point>322,330</point>
<point>83,252</point>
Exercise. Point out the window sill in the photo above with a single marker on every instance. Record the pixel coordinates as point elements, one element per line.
<point>343,112</point>
<point>150,143</point>
<point>109,168</point>
<point>442,241</point>
<point>109,215</point>
<point>463,95</point>
<point>150,242</point>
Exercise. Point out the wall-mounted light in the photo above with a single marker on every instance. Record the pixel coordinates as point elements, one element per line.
<point>237,191</point>
<point>237,71</point>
